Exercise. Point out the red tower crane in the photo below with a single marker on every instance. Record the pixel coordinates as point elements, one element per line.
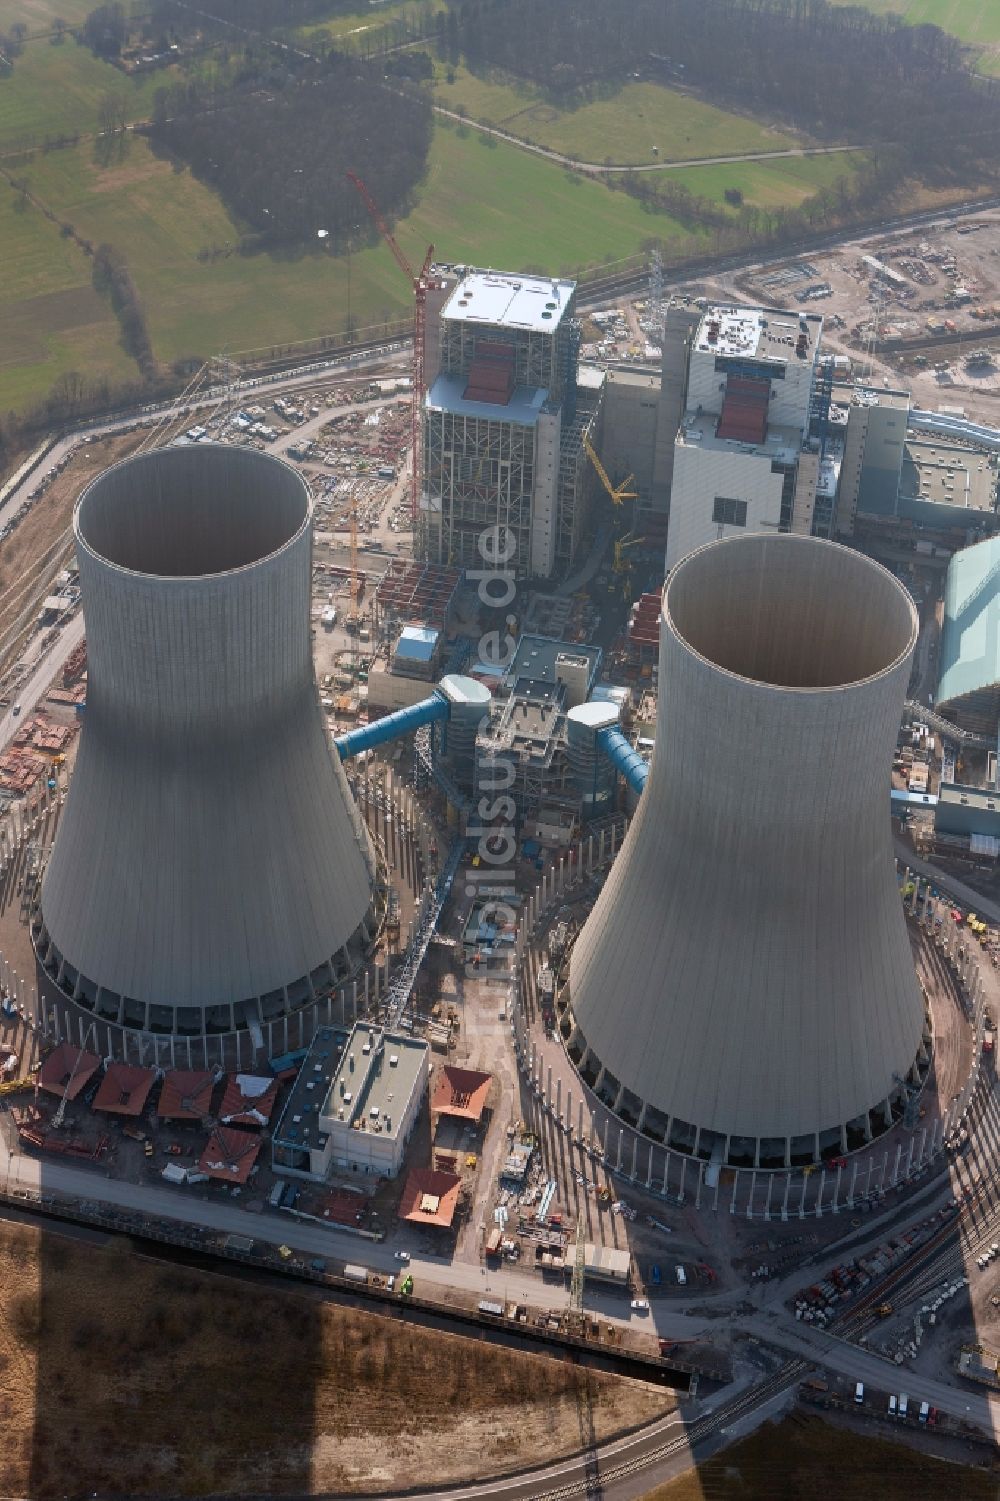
<point>420,282</point>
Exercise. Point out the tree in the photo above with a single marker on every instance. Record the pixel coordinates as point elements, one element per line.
<point>105,30</point>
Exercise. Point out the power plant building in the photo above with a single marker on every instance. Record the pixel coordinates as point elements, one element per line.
<point>743,988</point>
<point>210,869</point>
<point>746,456</point>
<point>969,682</point>
<point>529,749</point>
<point>354,1105</point>
<point>503,427</point>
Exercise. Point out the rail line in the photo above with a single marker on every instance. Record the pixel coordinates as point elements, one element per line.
<point>696,1432</point>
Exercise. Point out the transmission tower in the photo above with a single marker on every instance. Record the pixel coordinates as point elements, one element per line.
<point>655,287</point>
<point>579,1264</point>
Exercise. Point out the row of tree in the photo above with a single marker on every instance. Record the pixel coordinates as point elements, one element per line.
<point>834,70</point>
<point>276,147</point>
<point>111,276</point>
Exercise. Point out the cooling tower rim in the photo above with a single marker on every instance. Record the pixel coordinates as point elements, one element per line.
<point>211,451</point>
<point>880,575</point>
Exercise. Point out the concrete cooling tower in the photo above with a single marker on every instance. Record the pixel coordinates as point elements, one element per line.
<point>210,865</point>
<point>744,987</point>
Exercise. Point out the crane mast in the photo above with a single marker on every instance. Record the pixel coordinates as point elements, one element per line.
<point>618,493</point>
<point>420,282</point>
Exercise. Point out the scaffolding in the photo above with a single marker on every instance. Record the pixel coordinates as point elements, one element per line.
<point>543,359</point>
<point>414,594</point>
<point>576,486</point>
<point>480,472</point>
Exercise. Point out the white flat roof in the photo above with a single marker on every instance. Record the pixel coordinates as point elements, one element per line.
<point>757,332</point>
<point>784,443</point>
<point>506,301</point>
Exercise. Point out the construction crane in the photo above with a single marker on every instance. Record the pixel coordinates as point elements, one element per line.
<point>352,613</point>
<point>622,566</point>
<point>60,1114</point>
<point>618,493</point>
<point>421,283</point>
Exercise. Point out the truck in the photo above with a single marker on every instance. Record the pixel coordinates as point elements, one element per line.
<point>356,1273</point>
<point>988,1041</point>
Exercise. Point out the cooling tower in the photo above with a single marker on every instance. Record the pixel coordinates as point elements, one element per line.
<point>744,986</point>
<point>210,865</point>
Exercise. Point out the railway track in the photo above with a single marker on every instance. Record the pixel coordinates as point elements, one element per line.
<point>940,1259</point>
<point>697,1432</point>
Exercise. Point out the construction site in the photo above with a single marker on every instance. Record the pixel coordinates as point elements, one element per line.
<point>483,1002</point>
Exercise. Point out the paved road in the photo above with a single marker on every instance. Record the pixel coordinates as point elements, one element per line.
<point>313,375</point>
<point>820,1347</point>
<point>666,163</point>
<point>973,900</point>
<point>229,1217</point>
<point>34,688</point>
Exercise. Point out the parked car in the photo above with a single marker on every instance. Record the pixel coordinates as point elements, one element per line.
<point>640,1305</point>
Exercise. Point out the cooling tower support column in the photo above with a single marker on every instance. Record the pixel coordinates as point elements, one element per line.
<point>744,982</point>
<point>210,867</point>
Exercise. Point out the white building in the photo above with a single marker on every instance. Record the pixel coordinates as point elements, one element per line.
<point>354,1104</point>
<point>748,406</point>
<point>503,426</point>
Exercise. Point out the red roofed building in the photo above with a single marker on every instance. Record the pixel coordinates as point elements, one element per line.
<point>186,1095</point>
<point>460,1092</point>
<point>430,1197</point>
<point>124,1089</point>
<point>67,1070</point>
<point>230,1155</point>
<point>248,1100</point>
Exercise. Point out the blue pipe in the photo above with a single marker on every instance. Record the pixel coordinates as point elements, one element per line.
<point>393,726</point>
<point>623,758</point>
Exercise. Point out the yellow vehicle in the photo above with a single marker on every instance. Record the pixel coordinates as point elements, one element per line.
<point>471,1160</point>
<point>285,1252</point>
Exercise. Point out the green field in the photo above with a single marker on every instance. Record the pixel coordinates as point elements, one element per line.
<point>780,184</point>
<point>974,21</point>
<point>355,23</point>
<point>38,15</point>
<point>57,89</point>
<point>469,207</point>
<point>161,218</point>
<point>623,128</point>
<point>51,319</point>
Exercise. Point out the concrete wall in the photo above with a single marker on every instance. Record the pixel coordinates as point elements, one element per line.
<point>700,474</point>
<point>746,969</point>
<point>210,850</point>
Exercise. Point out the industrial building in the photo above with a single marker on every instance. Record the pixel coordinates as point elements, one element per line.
<point>969,665</point>
<point>354,1104</point>
<point>743,988</point>
<point>748,444</point>
<point>210,869</point>
<point>890,473</point>
<point>971,814</point>
<point>524,747</point>
<point>503,427</point>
